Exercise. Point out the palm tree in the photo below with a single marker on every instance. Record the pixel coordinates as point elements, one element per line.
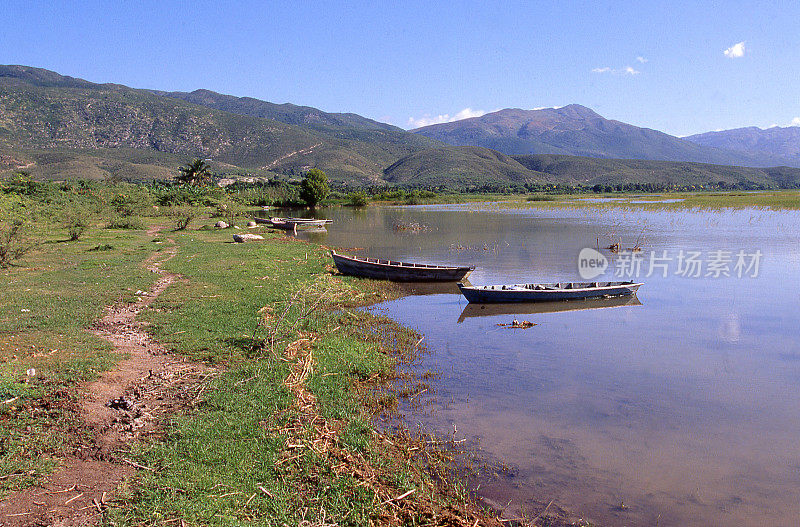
<point>198,172</point>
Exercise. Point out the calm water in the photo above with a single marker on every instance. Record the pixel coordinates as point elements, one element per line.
<point>685,407</point>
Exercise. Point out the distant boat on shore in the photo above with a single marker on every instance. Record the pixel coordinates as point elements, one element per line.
<point>291,224</point>
<point>398,271</point>
<point>490,294</point>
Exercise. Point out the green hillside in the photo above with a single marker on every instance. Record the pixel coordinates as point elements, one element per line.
<point>58,127</point>
<point>286,113</point>
<point>103,163</point>
<point>590,171</point>
<point>43,110</point>
<point>459,167</point>
<point>475,167</point>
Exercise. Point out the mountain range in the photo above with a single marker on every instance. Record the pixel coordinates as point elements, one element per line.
<point>56,126</point>
<point>776,141</point>
<point>577,130</point>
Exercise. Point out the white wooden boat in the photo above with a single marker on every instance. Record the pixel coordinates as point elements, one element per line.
<point>291,224</point>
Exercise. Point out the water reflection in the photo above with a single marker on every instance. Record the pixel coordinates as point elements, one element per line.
<point>536,308</point>
<point>686,408</point>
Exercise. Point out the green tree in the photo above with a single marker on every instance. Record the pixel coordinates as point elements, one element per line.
<point>314,187</point>
<point>198,172</point>
<point>357,199</point>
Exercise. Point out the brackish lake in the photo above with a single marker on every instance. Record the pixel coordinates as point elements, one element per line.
<point>686,408</point>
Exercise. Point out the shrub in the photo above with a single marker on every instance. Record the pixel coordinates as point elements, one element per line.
<point>76,227</point>
<point>187,195</point>
<point>126,222</point>
<point>103,247</point>
<point>14,229</point>
<point>131,201</point>
<point>228,210</point>
<point>13,241</point>
<point>183,216</point>
<point>357,199</point>
<point>74,220</point>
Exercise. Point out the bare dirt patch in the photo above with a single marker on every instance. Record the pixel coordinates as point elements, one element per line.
<point>130,401</point>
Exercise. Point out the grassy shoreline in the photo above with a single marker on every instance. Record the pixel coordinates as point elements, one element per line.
<point>260,448</point>
<point>765,199</point>
<point>286,433</point>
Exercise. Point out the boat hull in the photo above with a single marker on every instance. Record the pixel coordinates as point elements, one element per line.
<point>290,224</point>
<point>492,294</point>
<point>398,271</point>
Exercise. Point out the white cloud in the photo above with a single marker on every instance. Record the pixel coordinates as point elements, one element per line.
<point>546,108</point>
<point>735,51</point>
<point>467,113</point>
<point>627,70</point>
<point>427,120</point>
<point>795,122</point>
<point>641,59</point>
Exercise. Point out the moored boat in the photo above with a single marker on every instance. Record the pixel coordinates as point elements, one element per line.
<point>490,294</point>
<point>398,271</point>
<point>301,221</point>
<point>292,223</point>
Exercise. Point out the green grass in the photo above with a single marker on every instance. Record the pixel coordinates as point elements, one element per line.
<point>210,463</point>
<point>774,200</point>
<point>49,299</point>
<point>230,446</point>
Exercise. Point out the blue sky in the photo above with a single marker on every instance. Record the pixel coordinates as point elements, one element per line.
<point>656,64</point>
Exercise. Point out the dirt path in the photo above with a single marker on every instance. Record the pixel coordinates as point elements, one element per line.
<point>282,158</point>
<point>124,403</point>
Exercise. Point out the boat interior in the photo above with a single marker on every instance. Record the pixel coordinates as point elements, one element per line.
<point>395,264</point>
<point>560,286</point>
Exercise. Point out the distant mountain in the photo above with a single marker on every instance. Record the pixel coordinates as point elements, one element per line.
<point>589,171</point>
<point>40,109</point>
<point>56,127</point>
<point>477,167</point>
<point>775,141</point>
<point>40,77</point>
<point>577,130</point>
<point>460,167</point>
<point>286,113</point>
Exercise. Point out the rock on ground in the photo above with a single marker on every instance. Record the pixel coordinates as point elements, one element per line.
<point>241,238</point>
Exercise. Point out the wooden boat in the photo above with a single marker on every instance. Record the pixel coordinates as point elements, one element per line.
<point>397,271</point>
<point>301,221</point>
<point>291,224</point>
<point>492,294</point>
<point>536,308</point>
